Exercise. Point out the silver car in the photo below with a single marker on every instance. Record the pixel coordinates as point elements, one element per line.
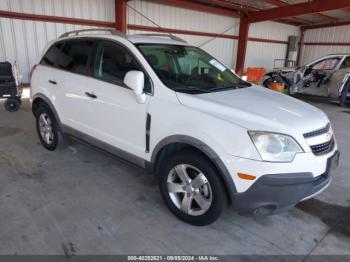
<point>327,77</point>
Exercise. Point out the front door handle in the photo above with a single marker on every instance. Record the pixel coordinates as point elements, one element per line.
<point>52,82</point>
<point>91,95</point>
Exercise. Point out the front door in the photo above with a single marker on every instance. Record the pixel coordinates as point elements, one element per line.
<point>115,115</point>
<point>317,77</point>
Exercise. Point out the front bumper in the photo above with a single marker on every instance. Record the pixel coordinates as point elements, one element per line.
<point>275,193</point>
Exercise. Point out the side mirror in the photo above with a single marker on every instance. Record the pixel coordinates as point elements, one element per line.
<point>135,80</point>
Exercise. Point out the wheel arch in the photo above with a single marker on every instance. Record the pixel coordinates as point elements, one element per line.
<point>176,143</point>
<point>40,99</point>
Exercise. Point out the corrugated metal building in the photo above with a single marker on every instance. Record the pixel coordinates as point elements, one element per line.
<point>24,40</point>
<point>323,41</point>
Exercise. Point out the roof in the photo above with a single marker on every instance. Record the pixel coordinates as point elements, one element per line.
<point>112,34</point>
<point>152,39</point>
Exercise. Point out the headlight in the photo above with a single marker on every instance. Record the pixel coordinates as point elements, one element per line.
<point>275,147</point>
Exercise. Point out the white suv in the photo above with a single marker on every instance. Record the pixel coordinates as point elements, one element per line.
<point>164,104</point>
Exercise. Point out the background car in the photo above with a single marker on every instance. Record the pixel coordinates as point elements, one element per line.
<point>322,77</point>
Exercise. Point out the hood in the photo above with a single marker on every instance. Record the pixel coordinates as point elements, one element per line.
<point>258,108</point>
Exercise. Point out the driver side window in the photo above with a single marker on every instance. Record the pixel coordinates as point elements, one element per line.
<point>113,62</point>
<point>326,64</point>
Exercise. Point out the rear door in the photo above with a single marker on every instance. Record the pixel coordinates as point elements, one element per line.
<point>72,78</point>
<point>43,78</point>
<point>339,77</point>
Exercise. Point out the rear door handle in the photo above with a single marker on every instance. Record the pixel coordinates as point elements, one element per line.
<point>91,95</point>
<point>52,82</point>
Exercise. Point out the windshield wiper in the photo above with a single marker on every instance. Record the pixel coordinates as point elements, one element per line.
<point>242,84</point>
<point>190,89</point>
<point>223,88</point>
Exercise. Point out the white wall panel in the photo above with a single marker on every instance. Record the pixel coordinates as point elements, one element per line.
<point>329,35</point>
<point>23,41</point>
<point>272,30</point>
<point>180,18</point>
<point>102,10</point>
<point>260,54</point>
<point>312,52</point>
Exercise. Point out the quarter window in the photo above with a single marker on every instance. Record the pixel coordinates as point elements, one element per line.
<point>51,55</point>
<point>75,55</point>
<point>327,64</point>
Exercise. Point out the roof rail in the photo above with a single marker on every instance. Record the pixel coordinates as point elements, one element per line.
<point>167,35</point>
<point>77,32</point>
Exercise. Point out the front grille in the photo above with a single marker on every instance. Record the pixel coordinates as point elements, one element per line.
<point>318,131</point>
<point>323,148</point>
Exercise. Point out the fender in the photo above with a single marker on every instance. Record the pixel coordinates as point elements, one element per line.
<point>205,149</point>
<point>48,102</point>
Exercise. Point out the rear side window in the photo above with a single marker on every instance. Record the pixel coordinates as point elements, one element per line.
<point>74,56</point>
<point>327,64</point>
<point>51,55</point>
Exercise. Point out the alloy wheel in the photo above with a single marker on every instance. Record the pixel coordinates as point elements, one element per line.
<point>189,190</point>
<point>45,127</point>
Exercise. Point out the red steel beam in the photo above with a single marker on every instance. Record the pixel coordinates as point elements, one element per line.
<point>54,19</point>
<point>242,45</point>
<point>120,15</point>
<point>328,43</point>
<point>244,8</point>
<point>231,5</point>
<point>282,3</point>
<point>346,10</point>
<point>317,26</point>
<point>198,33</point>
<point>75,21</point>
<point>198,7</point>
<point>305,8</point>
<point>178,31</point>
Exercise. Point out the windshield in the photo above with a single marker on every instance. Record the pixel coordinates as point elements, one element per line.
<point>189,69</point>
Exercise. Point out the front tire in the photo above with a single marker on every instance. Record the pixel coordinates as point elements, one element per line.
<point>47,128</point>
<point>191,188</point>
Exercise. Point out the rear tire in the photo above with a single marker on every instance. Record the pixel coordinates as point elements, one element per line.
<point>49,132</point>
<point>12,104</point>
<point>191,188</point>
<point>269,80</point>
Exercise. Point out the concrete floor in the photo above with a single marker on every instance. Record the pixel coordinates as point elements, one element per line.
<point>79,201</point>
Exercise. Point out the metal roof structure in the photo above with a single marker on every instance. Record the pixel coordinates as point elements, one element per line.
<point>308,13</point>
